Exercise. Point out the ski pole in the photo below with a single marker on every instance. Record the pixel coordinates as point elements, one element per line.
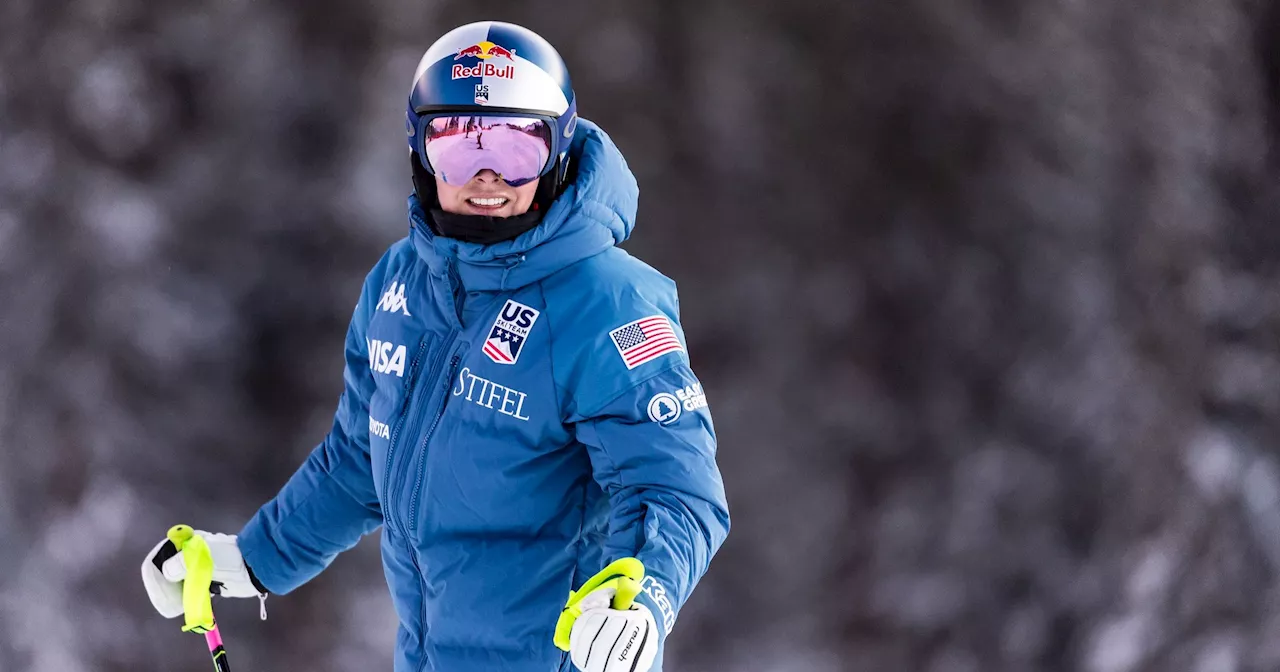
<point>197,602</point>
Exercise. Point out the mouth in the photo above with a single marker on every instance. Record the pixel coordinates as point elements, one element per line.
<point>488,203</point>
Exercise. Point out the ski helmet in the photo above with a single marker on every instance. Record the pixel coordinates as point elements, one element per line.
<point>494,69</point>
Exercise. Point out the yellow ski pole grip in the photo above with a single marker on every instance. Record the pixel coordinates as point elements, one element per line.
<point>623,576</point>
<point>629,573</point>
<point>630,568</point>
<point>628,589</point>
<point>197,605</point>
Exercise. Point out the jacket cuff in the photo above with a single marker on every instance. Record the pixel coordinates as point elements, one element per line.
<point>257,585</point>
<point>258,551</point>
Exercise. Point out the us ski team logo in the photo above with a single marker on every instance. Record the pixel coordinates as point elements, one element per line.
<point>509,332</point>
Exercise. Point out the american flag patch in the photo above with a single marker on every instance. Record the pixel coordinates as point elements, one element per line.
<point>645,339</point>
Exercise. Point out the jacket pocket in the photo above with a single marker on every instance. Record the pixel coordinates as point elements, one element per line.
<point>437,398</point>
<point>402,429</point>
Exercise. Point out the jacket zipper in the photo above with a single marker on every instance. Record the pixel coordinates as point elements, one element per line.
<point>401,422</point>
<point>422,452</point>
<point>422,604</point>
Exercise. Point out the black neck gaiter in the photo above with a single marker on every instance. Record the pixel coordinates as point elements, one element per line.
<point>482,228</point>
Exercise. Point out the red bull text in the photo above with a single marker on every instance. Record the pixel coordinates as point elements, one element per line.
<point>461,71</point>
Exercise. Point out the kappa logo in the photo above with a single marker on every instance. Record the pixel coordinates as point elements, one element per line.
<point>509,332</point>
<point>659,596</point>
<point>386,357</point>
<point>393,300</point>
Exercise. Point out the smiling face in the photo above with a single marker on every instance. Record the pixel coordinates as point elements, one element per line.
<point>486,194</point>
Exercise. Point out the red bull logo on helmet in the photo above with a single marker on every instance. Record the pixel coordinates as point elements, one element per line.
<point>484,51</point>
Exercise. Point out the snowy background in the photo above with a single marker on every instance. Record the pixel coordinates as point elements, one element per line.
<point>985,296</point>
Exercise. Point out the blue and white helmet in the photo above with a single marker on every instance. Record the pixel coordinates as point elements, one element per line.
<point>499,69</point>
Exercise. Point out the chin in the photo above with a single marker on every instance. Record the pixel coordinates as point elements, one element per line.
<point>507,210</point>
<point>472,210</point>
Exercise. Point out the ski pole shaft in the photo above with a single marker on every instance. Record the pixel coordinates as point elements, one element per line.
<point>219,652</point>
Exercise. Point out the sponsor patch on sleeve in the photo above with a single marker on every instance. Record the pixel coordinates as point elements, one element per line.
<point>659,596</point>
<point>645,340</point>
<point>665,408</point>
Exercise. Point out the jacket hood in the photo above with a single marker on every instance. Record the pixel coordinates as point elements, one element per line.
<point>596,211</point>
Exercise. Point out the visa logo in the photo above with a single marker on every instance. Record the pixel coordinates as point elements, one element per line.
<point>386,357</point>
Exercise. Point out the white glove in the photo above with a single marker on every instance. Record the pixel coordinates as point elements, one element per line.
<point>604,639</point>
<point>163,571</point>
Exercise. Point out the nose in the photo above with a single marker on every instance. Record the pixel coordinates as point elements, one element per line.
<point>486,176</point>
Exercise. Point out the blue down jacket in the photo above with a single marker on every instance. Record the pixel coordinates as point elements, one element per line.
<point>515,417</point>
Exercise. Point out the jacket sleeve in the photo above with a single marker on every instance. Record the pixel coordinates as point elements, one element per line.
<point>649,435</point>
<point>666,496</point>
<point>329,503</point>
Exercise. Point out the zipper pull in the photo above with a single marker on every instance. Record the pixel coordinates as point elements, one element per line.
<point>262,606</point>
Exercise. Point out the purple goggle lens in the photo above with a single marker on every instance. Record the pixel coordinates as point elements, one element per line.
<point>518,149</point>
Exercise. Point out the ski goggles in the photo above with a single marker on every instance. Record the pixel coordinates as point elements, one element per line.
<point>457,147</point>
